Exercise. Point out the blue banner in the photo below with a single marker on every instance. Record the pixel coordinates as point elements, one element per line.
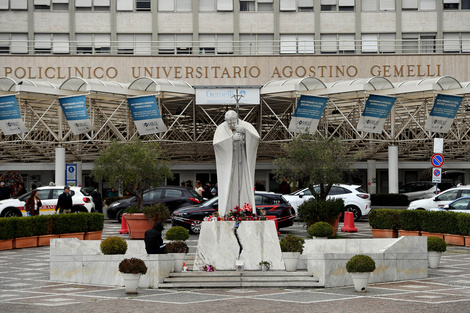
<point>376,111</point>
<point>10,117</point>
<point>307,114</point>
<point>443,113</point>
<point>146,115</point>
<point>75,112</point>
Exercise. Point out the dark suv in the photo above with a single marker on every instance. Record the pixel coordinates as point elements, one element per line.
<point>173,197</point>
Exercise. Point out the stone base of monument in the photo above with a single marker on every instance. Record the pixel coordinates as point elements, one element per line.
<point>218,245</point>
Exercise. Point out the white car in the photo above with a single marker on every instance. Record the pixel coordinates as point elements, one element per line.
<point>81,200</point>
<point>419,190</point>
<point>441,200</point>
<point>355,199</point>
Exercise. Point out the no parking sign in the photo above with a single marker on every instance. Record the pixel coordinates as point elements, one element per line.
<point>436,175</point>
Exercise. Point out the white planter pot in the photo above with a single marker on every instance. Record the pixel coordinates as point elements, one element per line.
<point>178,260</point>
<point>360,281</point>
<point>291,259</point>
<point>131,282</point>
<point>433,259</point>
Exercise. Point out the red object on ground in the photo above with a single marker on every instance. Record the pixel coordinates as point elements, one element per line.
<point>124,229</point>
<point>349,223</point>
<point>274,218</point>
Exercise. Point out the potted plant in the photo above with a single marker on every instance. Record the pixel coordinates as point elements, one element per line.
<point>131,270</point>
<point>360,266</point>
<point>95,224</point>
<point>452,233</point>
<point>385,223</point>
<point>7,229</point>
<point>24,233</point>
<point>410,222</point>
<point>139,221</point>
<point>265,265</point>
<point>113,245</point>
<point>291,247</point>
<point>316,210</point>
<point>433,223</point>
<point>464,226</point>
<point>320,230</point>
<point>436,246</point>
<point>177,247</point>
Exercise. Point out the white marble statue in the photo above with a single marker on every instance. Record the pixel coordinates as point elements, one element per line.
<point>235,144</point>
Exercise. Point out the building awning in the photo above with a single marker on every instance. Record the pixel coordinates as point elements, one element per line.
<point>161,85</point>
<point>292,85</point>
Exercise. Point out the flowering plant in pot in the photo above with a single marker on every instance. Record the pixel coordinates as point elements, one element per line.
<point>131,270</point>
<point>436,246</point>
<point>265,265</point>
<point>360,266</point>
<point>291,247</point>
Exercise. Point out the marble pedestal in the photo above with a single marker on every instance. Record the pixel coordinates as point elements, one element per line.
<point>218,245</point>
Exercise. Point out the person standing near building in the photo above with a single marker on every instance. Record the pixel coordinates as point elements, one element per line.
<point>33,203</point>
<point>64,204</point>
<point>97,200</point>
<point>4,191</point>
<point>206,191</point>
<point>21,189</point>
<point>259,186</point>
<point>198,187</point>
<point>284,187</point>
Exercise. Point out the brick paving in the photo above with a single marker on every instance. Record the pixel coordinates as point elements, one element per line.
<point>25,287</point>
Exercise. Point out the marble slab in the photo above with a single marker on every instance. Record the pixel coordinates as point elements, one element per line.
<point>218,245</point>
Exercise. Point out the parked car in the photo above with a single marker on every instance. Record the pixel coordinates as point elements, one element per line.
<point>355,199</point>
<point>81,200</point>
<point>274,204</point>
<point>461,205</point>
<point>173,197</point>
<point>441,200</point>
<point>419,190</point>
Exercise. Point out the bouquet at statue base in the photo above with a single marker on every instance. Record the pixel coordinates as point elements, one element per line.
<point>208,268</point>
<point>241,214</point>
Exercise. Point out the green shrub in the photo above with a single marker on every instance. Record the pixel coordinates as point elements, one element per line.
<point>177,233</point>
<point>113,245</point>
<point>436,244</point>
<point>451,224</point>
<point>385,219</point>
<point>313,210</point>
<point>133,266</point>
<point>60,224</point>
<point>434,221</point>
<point>464,224</point>
<point>7,228</point>
<point>320,229</point>
<point>292,243</point>
<point>176,247</point>
<point>360,264</point>
<point>411,219</point>
<point>41,225</point>
<point>78,222</point>
<point>158,211</point>
<point>389,199</point>
<point>23,226</point>
<point>95,221</point>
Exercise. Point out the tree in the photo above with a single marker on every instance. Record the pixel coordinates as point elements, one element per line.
<point>314,160</point>
<point>136,165</point>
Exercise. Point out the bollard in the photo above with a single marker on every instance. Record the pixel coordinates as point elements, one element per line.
<point>349,223</point>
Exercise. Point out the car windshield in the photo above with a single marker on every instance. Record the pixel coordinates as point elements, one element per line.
<point>210,201</point>
<point>193,193</point>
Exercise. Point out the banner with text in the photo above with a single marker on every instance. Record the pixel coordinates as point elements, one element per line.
<point>307,114</point>
<point>443,113</point>
<point>375,113</point>
<point>10,117</point>
<point>75,112</point>
<point>227,96</point>
<point>146,115</point>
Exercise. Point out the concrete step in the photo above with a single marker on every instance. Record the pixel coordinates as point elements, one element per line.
<point>241,284</point>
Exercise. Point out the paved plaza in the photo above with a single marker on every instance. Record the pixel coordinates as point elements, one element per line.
<point>25,287</point>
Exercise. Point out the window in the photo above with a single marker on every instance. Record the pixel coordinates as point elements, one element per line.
<point>54,5</point>
<point>92,5</point>
<point>13,43</point>
<point>93,43</point>
<point>297,44</point>
<point>337,5</point>
<point>173,193</point>
<point>175,5</point>
<point>456,42</point>
<point>55,43</point>
<point>337,43</point>
<point>448,196</point>
<point>261,200</point>
<point>139,44</point>
<point>418,43</point>
<point>216,44</point>
<point>13,4</point>
<point>142,5</point>
<point>255,44</point>
<point>152,195</point>
<point>422,5</point>
<point>175,44</point>
<point>207,5</point>
<point>378,5</point>
<point>456,4</point>
<point>256,5</point>
<point>296,5</point>
<point>247,5</point>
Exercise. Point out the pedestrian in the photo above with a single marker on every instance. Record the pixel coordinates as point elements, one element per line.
<point>33,203</point>
<point>183,184</point>
<point>21,189</point>
<point>97,200</point>
<point>33,187</point>
<point>4,191</point>
<point>214,190</point>
<point>113,193</point>
<point>284,187</point>
<point>198,187</point>
<point>189,184</point>
<point>259,186</point>
<point>153,239</point>
<point>206,190</point>
<point>64,204</point>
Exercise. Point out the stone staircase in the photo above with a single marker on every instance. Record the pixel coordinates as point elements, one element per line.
<point>233,279</point>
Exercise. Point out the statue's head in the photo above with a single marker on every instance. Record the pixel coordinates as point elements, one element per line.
<point>231,117</point>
